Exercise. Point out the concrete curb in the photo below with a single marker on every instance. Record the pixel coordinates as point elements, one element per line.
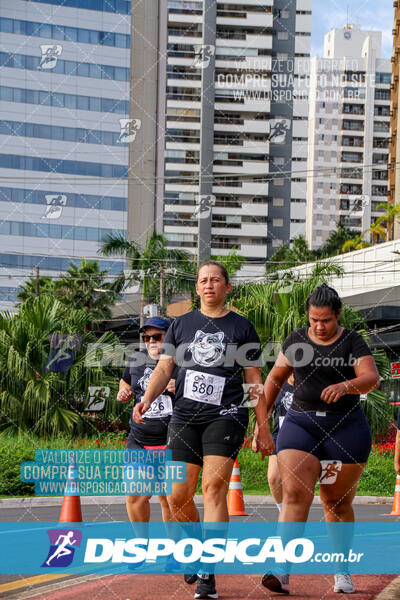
<point>98,500</point>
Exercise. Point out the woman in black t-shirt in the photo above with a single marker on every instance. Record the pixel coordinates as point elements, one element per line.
<point>152,433</point>
<point>325,434</point>
<point>215,350</point>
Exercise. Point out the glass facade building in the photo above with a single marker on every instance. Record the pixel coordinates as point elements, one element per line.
<point>64,96</point>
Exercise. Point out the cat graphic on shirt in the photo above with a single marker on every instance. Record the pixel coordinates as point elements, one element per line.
<point>144,380</point>
<point>207,348</point>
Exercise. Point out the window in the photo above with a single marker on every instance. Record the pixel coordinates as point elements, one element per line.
<point>277,222</point>
<point>283,35</point>
<point>278,202</point>
<point>276,243</point>
<point>67,67</point>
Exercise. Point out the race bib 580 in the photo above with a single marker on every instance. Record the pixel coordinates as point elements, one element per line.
<point>203,387</point>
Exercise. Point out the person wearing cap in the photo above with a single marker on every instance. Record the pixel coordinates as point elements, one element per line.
<point>152,433</point>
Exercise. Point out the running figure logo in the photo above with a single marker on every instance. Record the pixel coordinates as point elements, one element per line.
<point>205,204</point>
<point>50,55</point>
<point>203,54</point>
<point>207,348</point>
<point>330,470</point>
<point>129,128</point>
<point>55,204</point>
<point>278,130</point>
<point>97,398</point>
<point>63,543</point>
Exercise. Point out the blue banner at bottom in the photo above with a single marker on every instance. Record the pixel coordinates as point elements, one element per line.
<point>249,548</point>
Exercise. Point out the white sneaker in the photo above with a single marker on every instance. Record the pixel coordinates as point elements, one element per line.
<point>343,583</point>
<point>276,583</point>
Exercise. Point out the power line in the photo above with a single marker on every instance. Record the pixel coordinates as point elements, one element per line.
<point>227,176</point>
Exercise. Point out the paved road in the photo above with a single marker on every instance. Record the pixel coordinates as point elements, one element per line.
<point>117,512</point>
<point>159,587</point>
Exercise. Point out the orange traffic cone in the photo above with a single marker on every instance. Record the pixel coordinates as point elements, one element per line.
<point>396,501</point>
<point>71,507</point>
<point>235,495</point>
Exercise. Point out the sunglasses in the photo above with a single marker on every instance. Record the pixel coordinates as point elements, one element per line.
<point>155,336</point>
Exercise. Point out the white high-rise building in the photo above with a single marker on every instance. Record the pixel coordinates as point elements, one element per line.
<point>231,75</point>
<point>349,123</point>
<point>63,158</point>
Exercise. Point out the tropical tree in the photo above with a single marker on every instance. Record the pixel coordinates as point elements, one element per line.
<point>33,287</point>
<point>83,287</point>
<point>392,212</point>
<point>289,256</point>
<point>334,244</point>
<point>232,262</point>
<point>377,231</point>
<point>87,288</point>
<point>146,265</point>
<point>355,244</point>
<point>32,396</point>
<point>277,308</point>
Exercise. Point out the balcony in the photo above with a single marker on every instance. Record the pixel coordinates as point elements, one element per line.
<point>351,157</point>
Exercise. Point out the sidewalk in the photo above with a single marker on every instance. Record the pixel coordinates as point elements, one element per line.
<point>95,500</point>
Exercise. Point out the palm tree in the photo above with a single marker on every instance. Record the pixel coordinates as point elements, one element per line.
<point>355,244</point>
<point>43,285</point>
<point>82,287</point>
<point>389,217</point>
<point>34,399</point>
<point>178,266</point>
<point>334,244</point>
<point>88,289</point>
<point>286,257</point>
<point>376,231</point>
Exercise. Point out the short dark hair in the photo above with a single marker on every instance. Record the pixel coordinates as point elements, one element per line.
<point>324,295</point>
<point>215,264</point>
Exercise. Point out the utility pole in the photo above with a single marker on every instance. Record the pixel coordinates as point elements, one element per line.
<point>37,282</point>
<point>162,283</point>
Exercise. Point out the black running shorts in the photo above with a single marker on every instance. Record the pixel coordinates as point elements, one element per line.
<point>328,436</point>
<point>190,443</point>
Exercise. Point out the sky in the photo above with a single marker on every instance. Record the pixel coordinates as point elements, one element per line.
<point>375,15</point>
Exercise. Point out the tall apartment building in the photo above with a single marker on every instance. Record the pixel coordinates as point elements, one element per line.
<point>63,159</point>
<point>394,145</point>
<point>230,140</point>
<point>348,133</point>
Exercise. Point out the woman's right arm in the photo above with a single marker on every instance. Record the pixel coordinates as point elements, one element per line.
<point>157,384</point>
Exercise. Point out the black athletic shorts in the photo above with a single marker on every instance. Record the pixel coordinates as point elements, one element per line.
<point>133,444</point>
<point>328,436</point>
<point>189,443</point>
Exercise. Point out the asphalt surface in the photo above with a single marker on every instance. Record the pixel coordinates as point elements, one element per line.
<point>138,586</point>
<point>117,512</point>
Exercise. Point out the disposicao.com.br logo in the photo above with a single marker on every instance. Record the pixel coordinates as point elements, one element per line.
<point>192,550</point>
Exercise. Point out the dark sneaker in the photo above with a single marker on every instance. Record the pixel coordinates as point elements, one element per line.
<point>190,578</point>
<point>276,583</point>
<point>206,587</point>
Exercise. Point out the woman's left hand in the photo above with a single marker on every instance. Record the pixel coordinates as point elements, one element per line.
<point>332,393</point>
